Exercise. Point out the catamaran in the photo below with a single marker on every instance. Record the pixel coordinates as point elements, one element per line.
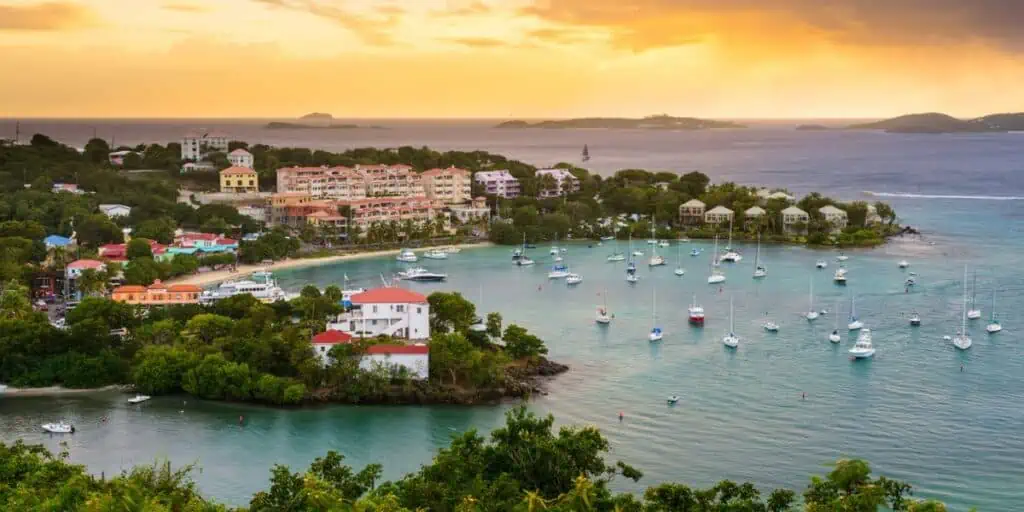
<point>855,323</point>
<point>655,260</point>
<point>731,340</point>
<point>730,255</point>
<point>716,274</point>
<point>769,325</point>
<point>834,337</point>
<point>759,269</point>
<point>811,314</point>
<point>993,324</point>
<point>656,333</point>
<point>695,313</point>
<point>974,313</point>
<point>962,341</point>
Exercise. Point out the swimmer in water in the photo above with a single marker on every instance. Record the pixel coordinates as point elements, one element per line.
<point>621,416</point>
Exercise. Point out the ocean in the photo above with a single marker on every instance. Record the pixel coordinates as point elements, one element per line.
<point>911,411</point>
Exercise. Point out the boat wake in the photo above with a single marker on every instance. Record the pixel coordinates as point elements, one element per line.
<point>943,196</point>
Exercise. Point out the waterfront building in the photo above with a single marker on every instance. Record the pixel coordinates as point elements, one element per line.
<point>117,157</point>
<point>565,182</point>
<point>241,158</point>
<point>691,212</point>
<point>115,210</point>
<point>157,294</point>
<point>718,215</point>
<point>394,312</point>
<point>322,182</point>
<point>239,180</point>
<point>364,212</point>
<point>476,210</point>
<point>835,217</point>
<point>794,220</point>
<point>391,180</point>
<point>196,145</point>
<point>449,186</point>
<point>499,183</point>
<point>414,358</point>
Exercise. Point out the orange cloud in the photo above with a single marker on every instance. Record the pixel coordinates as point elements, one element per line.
<point>373,30</point>
<point>45,16</point>
<point>184,7</point>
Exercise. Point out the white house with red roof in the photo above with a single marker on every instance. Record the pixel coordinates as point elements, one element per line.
<point>74,269</point>
<point>393,311</point>
<point>414,358</point>
<point>241,158</point>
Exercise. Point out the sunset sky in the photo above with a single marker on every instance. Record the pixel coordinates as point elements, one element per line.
<point>509,58</point>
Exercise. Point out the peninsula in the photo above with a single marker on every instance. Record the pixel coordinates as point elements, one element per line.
<point>934,122</point>
<point>659,122</point>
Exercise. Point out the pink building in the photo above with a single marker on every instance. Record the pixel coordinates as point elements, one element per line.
<point>498,183</point>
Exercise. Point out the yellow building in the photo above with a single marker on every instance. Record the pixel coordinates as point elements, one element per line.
<point>239,180</point>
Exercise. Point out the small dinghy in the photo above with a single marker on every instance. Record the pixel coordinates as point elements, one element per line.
<point>673,399</point>
<point>59,428</point>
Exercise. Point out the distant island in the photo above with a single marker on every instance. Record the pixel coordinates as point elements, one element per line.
<point>317,116</point>
<point>662,122</point>
<point>934,122</point>
<point>811,127</point>
<point>315,121</point>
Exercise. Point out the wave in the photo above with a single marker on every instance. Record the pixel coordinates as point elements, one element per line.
<point>943,196</point>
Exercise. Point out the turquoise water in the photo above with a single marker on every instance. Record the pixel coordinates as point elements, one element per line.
<point>910,411</point>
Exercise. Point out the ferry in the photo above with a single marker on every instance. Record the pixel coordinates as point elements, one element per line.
<point>260,285</point>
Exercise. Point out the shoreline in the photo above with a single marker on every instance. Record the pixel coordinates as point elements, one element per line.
<point>11,391</point>
<point>218,276</point>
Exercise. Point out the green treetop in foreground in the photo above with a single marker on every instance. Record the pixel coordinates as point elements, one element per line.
<point>524,466</point>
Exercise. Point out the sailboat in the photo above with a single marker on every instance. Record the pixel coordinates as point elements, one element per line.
<point>730,255</point>
<point>603,317</point>
<point>993,324</point>
<point>522,260</point>
<point>731,340</point>
<point>631,276</point>
<point>586,154</point>
<point>759,269</point>
<point>679,261</point>
<point>974,313</point>
<point>855,323</point>
<point>631,251</point>
<point>655,260</point>
<point>716,275</point>
<point>695,313</point>
<point>834,337</point>
<point>554,247</point>
<point>616,255</point>
<point>656,333</point>
<point>962,341</point>
<point>811,313</point>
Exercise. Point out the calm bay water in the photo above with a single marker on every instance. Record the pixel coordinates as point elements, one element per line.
<point>911,412</point>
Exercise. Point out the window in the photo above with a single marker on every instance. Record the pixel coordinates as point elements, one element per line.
<point>419,310</point>
<point>323,349</point>
<point>374,308</point>
<point>400,308</point>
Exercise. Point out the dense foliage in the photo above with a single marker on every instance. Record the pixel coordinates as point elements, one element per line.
<point>524,466</point>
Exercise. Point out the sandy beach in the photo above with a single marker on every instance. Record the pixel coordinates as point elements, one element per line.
<point>217,276</point>
<point>56,391</point>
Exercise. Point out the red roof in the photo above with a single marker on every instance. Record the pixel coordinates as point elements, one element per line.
<point>398,349</point>
<point>238,170</point>
<point>225,241</point>
<point>389,296</point>
<point>130,288</point>
<point>85,264</point>
<point>332,338</point>
<point>157,285</point>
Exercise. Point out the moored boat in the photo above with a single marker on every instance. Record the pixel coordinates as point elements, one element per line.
<point>436,254</point>
<point>138,399</point>
<point>863,349</point>
<point>406,256</point>
<point>58,428</point>
<point>423,275</point>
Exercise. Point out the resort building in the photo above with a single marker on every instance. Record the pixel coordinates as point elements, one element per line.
<point>241,158</point>
<point>449,186</point>
<point>691,213</point>
<point>414,358</point>
<point>753,213</point>
<point>394,312</point>
<point>386,209</point>
<point>322,182</point>
<point>391,180</point>
<point>205,242</point>
<point>718,215</point>
<point>498,183</point>
<point>466,214</point>
<point>564,183</point>
<point>323,218</point>
<point>157,294</point>
<point>239,180</point>
<point>325,341</point>
<point>835,217</point>
<point>196,145</point>
<point>115,210</point>
<point>794,220</point>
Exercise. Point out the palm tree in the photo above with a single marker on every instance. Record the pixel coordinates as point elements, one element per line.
<point>533,502</point>
<point>91,282</point>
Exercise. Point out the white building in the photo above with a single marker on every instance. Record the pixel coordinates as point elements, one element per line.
<point>498,183</point>
<point>754,212</point>
<point>74,269</point>
<point>765,194</point>
<point>196,145</point>
<point>414,358</point>
<point>718,215</point>
<point>565,182</point>
<point>241,158</point>
<point>835,217</point>
<point>255,212</point>
<point>692,212</point>
<point>115,210</point>
<point>395,312</point>
<point>793,216</point>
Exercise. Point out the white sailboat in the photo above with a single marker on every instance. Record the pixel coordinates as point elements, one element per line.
<point>855,323</point>
<point>834,337</point>
<point>522,260</point>
<point>716,275</point>
<point>993,325</point>
<point>811,314</point>
<point>616,255</point>
<point>655,260</point>
<point>603,316</point>
<point>656,333</point>
<point>731,255</point>
<point>974,313</point>
<point>554,247</point>
<point>759,269</point>
<point>679,261</point>
<point>731,340</point>
<point>632,252</point>
<point>573,279</point>
<point>962,341</point>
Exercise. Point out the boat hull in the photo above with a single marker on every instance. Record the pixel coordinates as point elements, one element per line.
<point>862,354</point>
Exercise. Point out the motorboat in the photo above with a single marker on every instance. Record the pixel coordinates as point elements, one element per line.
<point>993,325</point>
<point>770,326</point>
<point>652,241</point>
<point>840,276</point>
<point>915,319</point>
<point>563,250</point>
<point>406,256</point>
<point>904,264</point>
<point>616,256</point>
<point>607,238</point>
<point>516,254</point>
<point>811,314</point>
<point>452,249</point>
<point>962,340</point>
<point>673,399</point>
<point>731,340</point>
<point>974,312</point>
<point>821,264</point>
<point>632,278</point>
<point>138,399</point>
<point>558,272</point>
<point>478,325</point>
<point>842,257</point>
<point>436,254</point>
<point>423,275</point>
<point>638,253</point>
<point>58,428</point>
<point>260,285</point>
<point>834,336</point>
<point>573,279</point>
<point>855,323</point>
<point>524,262</point>
<point>631,272</point>
<point>911,282</point>
<point>695,313</point>
<point>863,349</point>
<point>655,334</point>
<point>558,259</point>
<point>680,271</point>
<point>664,243</point>
<point>553,251</point>
<point>694,252</point>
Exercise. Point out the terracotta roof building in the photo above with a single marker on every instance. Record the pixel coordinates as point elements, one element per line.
<point>157,294</point>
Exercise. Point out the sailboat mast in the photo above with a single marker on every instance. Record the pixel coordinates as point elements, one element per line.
<point>757,255</point>
<point>732,327</point>
<point>974,290</point>
<point>963,317</point>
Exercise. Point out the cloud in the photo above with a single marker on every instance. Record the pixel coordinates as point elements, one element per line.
<point>44,16</point>
<point>646,24</point>
<point>478,42</point>
<point>372,29</point>
<point>184,7</point>
<point>466,8</point>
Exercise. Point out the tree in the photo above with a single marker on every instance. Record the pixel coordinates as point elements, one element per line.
<point>142,271</point>
<point>91,282</point>
<point>494,324</point>
<point>97,151</point>
<point>450,312</point>
<point>161,230</point>
<point>96,229</point>
<point>519,343</point>
<point>138,248</point>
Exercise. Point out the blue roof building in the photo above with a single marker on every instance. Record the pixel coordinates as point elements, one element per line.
<point>56,241</point>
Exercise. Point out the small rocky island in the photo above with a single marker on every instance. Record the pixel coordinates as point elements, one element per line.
<point>314,121</point>
<point>660,122</point>
<point>811,127</point>
<point>934,122</point>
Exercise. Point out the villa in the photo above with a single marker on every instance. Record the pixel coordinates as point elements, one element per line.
<point>692,212</point>
<point>115,210</point>
<point>565,182</point>
<point>794,220</point>
<point>718,215</point>
<point>835,217</point>
<point>239,180</point>
<point>754,212</point>
<point>498,183</point>
<point>394,312</point>
<point>469,213</point>
<point>414,358</point>
<point>157,294</point>
<point>241,158</point>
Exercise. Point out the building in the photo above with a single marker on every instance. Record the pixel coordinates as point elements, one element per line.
<point>241,158</point>
<point>872,216</point>
<point>115,210</point>
<point>794,220</point>
<point>391,180</point>
<point>835,217</point>
<point>565,183</point>
<point>414,358</point>
<point>325,341</point>
<point>257,213</point>
<point>117,157</point>
<point>196,145</point>
<point>473,212</point>
<point>74,270</point>
<point>387,209</point>
<point>718,215</point>
<point>203,242</point>
<point>119,252</point>
<point>321,219</point>
<point>498,183</point>
<point>691,213</point>
<point>239,180</point>
<point>157,294</point>
<point>394,312</point>
<point>67,187</point>
<point>764,195</point>
<point>449,186</point>
<point>753,213</point>
<point>54,241</point>
<point>282,205</point>
<point>322,182</point>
